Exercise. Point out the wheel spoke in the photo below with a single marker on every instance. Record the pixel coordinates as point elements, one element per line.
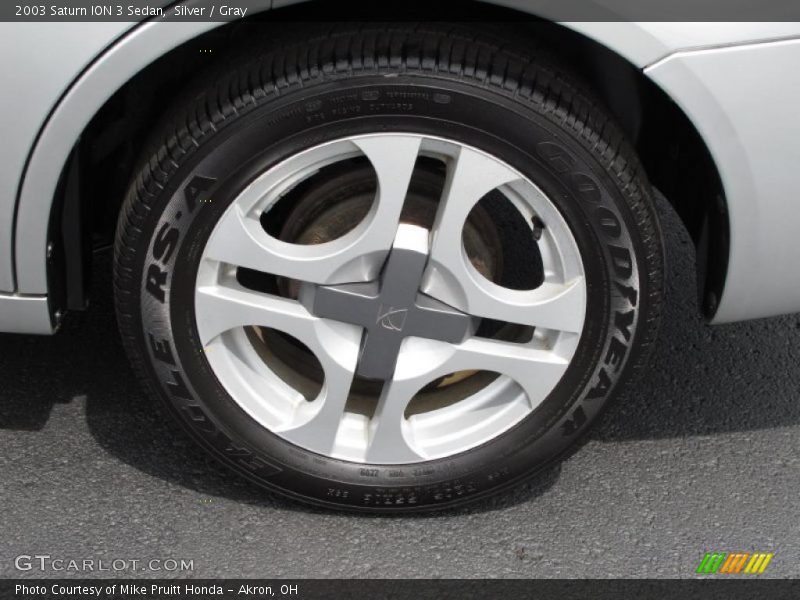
<point>336,345</point>
<point>536,370</point>
<point>240,240</point>
<point>558,304</point>
<point>220,308</point>
<point>388,432</point>
<point>421,361</point>
<point>555,306</point>
<point>316,424</point>
<point>471,176</point>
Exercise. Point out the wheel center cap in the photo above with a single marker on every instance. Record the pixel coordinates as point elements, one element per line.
<point>392,308</point>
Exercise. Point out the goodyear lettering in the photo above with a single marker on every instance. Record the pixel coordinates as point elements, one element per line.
<point>622,268</point>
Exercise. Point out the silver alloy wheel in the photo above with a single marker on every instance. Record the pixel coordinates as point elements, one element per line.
<point>528,371</point>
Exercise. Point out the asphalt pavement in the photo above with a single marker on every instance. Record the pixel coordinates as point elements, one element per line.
<point>703,456</point>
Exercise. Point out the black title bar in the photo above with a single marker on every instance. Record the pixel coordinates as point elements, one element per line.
<point>451,10</point>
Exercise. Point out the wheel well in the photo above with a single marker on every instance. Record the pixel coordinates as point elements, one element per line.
<point>672,152</point>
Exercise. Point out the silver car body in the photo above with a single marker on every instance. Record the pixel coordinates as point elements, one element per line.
<point>736,82</point>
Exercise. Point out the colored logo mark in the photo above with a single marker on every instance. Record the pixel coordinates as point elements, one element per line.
<point>734,563</point>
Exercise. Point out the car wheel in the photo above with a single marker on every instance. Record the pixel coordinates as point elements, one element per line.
<point>388,269</point>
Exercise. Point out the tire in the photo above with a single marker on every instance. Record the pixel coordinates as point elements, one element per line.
<point>263,109</point>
